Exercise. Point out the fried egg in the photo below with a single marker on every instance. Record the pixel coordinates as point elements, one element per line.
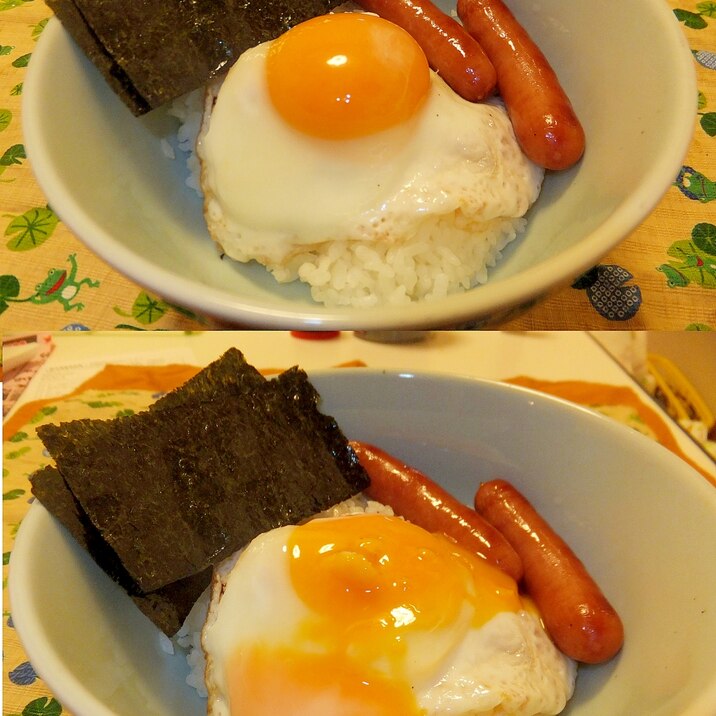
<point>369,615</point>
<point>339,131</point>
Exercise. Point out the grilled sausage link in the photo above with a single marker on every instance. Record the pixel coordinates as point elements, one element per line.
<point>545,123</point>
<point>577,615</point>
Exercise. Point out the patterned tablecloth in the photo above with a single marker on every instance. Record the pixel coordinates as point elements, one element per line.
<point>661,277</point>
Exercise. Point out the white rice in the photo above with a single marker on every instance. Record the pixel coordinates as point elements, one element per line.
<point>188,110</point>
<point>188,638</point>
<point>445,256</point>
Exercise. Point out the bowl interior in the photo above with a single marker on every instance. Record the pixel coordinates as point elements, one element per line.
<point>643,522</point>
<point>106,174</point>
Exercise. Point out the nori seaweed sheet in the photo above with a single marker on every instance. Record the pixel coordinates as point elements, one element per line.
<point>153,51</point>
<point>229,372</point>
<point>166,607</point>
<point>176,489</point>
<point>297,392</point>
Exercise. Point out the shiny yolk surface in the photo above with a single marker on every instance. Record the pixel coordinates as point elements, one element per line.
<point>372,584</point>
<point>389,572</point>
<point>346,75</point>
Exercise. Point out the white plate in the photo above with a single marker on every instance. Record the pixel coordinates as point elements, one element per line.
<point>641,519</point>
<point>625,65</point>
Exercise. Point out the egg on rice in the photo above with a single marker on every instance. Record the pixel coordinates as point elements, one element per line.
<point>361,612</point>
<point>335,156</point>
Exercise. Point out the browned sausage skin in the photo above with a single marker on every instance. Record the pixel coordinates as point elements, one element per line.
<point>451,50</point>
<point>544,121</point>
<point>578,617</point>
<point>417,498</point>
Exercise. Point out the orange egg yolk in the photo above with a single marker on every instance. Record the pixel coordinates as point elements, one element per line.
<point>270,681</point>
<point>346,75</point>
<point>372,584</point>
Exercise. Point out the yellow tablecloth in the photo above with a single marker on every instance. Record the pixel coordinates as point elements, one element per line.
<point>658,278</point>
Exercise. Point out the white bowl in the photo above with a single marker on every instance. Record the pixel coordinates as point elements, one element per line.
<point>642,520</point>
<point>625,65</point>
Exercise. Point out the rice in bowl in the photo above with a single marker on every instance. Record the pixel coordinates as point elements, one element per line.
<point>415,212</point>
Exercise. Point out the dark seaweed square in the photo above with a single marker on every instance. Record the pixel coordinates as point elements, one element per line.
<point>153,51</point>
<point>177,488</point>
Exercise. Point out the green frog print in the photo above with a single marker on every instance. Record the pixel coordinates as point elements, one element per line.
<point>61,286</point>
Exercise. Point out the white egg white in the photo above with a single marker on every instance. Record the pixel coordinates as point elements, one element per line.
<point>507,666</point>
<point>272,191</point>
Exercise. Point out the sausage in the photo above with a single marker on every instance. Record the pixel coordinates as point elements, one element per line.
<point>544,121</point>
<point>578,617</point>
<point>418,499</point>
<point>451,51</point>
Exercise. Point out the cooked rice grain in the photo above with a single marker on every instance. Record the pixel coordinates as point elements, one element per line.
<point>441,259</point>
